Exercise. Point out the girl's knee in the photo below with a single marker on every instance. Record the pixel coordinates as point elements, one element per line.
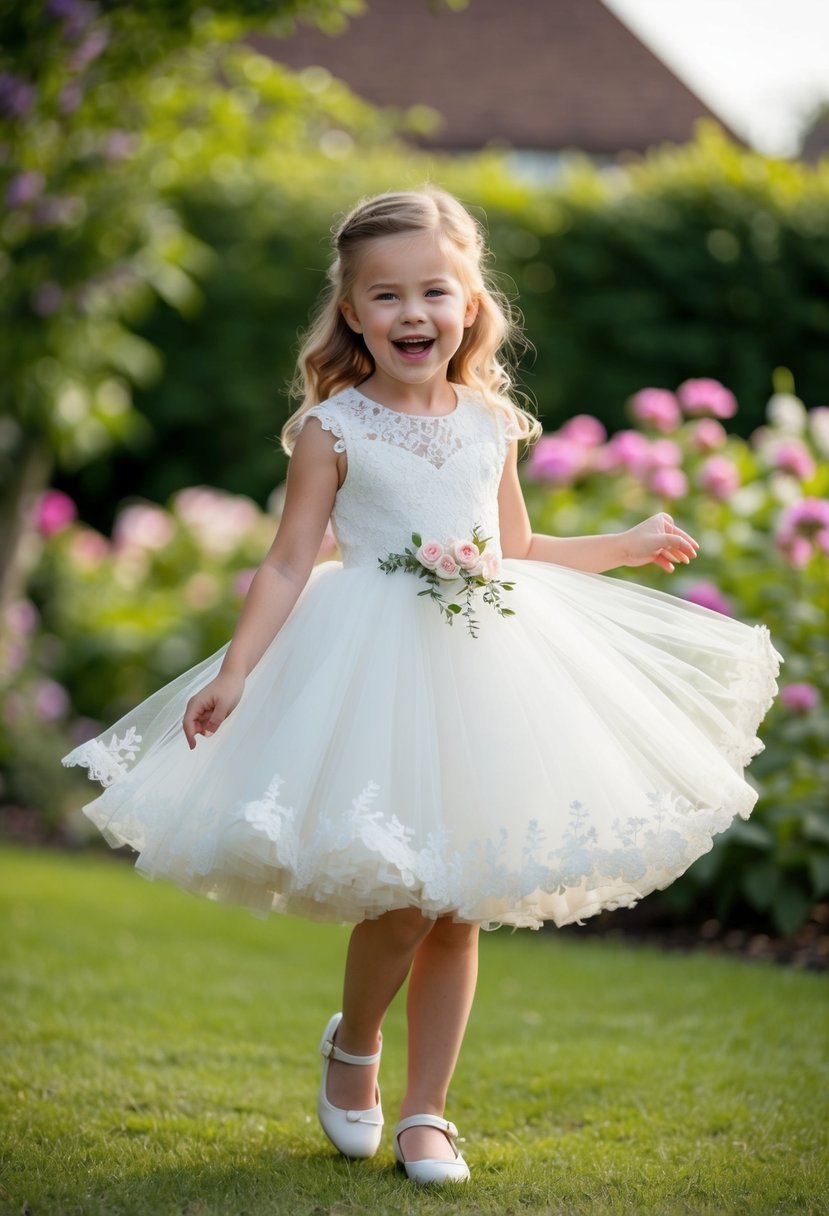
<point>407,926</point>
<point>449,932</point>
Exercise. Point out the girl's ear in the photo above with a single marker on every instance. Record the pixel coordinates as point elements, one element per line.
<point>472,306</point>
<point>351,318</point>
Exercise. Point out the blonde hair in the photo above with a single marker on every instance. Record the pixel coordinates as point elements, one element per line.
<point>333,357</point>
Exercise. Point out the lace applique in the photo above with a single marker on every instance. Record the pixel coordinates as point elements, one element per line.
<point>106,762</point>
<point>433,438</point>
<point>329,422</point>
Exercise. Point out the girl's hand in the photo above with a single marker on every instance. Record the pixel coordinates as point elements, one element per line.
<point>658,540</point>
<point>208,708</point>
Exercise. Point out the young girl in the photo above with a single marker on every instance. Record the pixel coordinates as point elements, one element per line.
<point>462,723</point>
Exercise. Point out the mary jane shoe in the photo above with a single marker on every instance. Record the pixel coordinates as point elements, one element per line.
<point>431,1169</point>
<point>356,1133</point>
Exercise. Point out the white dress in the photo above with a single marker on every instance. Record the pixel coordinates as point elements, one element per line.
<point>568,758</point>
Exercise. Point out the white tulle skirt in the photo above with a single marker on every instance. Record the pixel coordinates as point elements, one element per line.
<point>570,758</point>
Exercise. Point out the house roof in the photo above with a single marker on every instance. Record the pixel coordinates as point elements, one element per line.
<point>536,74</point>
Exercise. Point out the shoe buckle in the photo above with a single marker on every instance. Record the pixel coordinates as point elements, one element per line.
<point>327,1048</point>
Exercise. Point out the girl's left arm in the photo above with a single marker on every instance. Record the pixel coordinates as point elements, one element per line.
<point>657,539</point>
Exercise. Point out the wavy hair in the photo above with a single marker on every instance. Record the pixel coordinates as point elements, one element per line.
<point>333,357</point>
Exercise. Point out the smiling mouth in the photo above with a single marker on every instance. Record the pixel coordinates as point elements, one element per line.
<point>414,346</point>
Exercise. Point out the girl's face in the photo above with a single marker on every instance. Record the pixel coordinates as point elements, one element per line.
<point>410,307</point>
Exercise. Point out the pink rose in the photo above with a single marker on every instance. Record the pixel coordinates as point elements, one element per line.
<point>429,553</point>
<point>490,566</point>
<point>446,567</point>
<point>466,554</point>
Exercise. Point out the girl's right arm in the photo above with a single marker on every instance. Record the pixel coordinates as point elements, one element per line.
<point>310,491</point>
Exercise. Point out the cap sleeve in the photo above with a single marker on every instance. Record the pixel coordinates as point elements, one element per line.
<point>329,420</point>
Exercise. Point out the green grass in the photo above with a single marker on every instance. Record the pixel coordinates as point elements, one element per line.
<point>159,1056</point>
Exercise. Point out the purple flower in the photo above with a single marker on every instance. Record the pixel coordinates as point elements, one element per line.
<point>800,697</point>
<point>24,188</point>
<point>707,435</point>
<point>70,97</point>
<point>47,299</point>
<point>555,459</point>
<point>719,477</point>
<point>584,430</point>
<point>51,700</point>
<point>16,95</point>
<point>75,15</point>
<point>656,407</point>
<point>668,482</point>
<point>792,456</point>
<point>91,47</point>
<point>706,396</point>
<point>55,511</point>
<point>708,595</point>
<point>119,145</point>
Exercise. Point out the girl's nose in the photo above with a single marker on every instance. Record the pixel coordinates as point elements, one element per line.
<point>412,310</point>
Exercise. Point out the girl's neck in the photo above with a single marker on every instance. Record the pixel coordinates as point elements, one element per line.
<point>432,398</point>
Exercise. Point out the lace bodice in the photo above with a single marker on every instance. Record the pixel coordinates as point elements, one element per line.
<point>438,476</point>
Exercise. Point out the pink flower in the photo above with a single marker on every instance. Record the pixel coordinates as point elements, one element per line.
<point>446,567</point>
<point>626,449</point>
<point>490,566</point>
<point>54,512</point>
<point>430,553</point>
<point>583,429</point>
<point>664,454</point>
<point>22,616</point>
<point>707,435</point>
<point>467,556</point>
<point>51,700</point>
<point>669,483</point>
<point>656,407</point>
<point>708,595</point>
<point>800,697</point>
<point>719,477</point>
<point>144,525</point>
<point>803,525</point>
<point>555,459</point>
<point>87,547</point>
<point>706,396</point>
<point>794,457</point>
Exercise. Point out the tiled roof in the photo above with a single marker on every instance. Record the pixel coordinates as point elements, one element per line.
<point>536,74</point>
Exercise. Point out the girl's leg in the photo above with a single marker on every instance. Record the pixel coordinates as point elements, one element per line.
<point>439,1000</point>
<point>380,953</point>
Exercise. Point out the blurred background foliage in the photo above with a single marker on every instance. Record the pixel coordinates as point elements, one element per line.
<point>169,195</point>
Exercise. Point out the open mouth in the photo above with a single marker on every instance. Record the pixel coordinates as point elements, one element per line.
<point>414,347</point>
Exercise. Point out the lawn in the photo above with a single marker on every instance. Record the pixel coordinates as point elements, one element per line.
<point>159,1056</point>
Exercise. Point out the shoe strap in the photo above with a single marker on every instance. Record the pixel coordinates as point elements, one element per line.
<point>443,1125</point>
<point>332,1052</point>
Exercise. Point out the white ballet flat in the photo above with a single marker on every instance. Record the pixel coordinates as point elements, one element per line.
<point>431,1169</point>
<point>356,1133</point>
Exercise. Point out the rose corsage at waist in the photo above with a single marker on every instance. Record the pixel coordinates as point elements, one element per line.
<point>438,563</point>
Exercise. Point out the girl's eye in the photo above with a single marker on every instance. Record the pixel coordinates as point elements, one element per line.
<point>385,295</point>
<point>435,291</point>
